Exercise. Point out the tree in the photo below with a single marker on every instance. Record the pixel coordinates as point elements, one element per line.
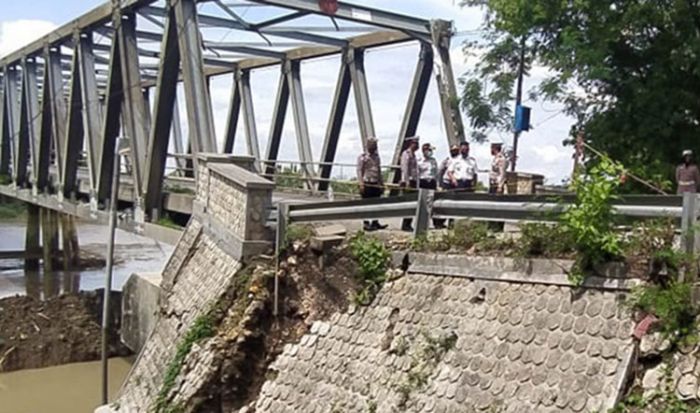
<point>627,70</point>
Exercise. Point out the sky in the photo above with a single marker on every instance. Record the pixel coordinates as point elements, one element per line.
<point>389,75</point>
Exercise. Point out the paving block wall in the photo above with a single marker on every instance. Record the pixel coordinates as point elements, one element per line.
<point>520,347</point>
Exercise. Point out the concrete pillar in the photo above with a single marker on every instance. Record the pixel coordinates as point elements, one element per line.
<point>49,233</point>
<point>71,248</point>
<point>31,242</point>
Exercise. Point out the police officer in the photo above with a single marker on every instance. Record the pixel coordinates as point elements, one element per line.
<point>369,177</point>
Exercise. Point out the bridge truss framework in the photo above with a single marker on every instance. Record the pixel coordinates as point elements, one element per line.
<point>86,83</point>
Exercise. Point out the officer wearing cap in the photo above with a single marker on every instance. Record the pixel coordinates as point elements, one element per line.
<point>428,176</point>
<point>409,173</point>
<point>443,177</point>
<point>369,177</point>
<point>687,174</point>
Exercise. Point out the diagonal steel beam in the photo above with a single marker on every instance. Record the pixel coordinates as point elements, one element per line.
<point>277,127</point>
<point>361,93</point>
<point>51,127</point>
<point>414,106</point>
<point>91,101</point>
<point>254,51</point>
<point>30,122</point>
<point>447,89</point>
<point>134,111</point>
<point>75,138</point>
<point>335,122</point>
<point>11,117</point>
<point>200,117</point>
<point>113,101</point>
<point>234,112</point>
<point>251,131</point>
<point>280,19</point>
<point>5,154</point>
<point>301,125</point>
<point>164,112</point>
<point>59,111</point>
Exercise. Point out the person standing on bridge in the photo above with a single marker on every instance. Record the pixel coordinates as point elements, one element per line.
<point>428,176</point>
<point>409,174</point>
<point>462,170</point>
<point>499,164</point>
<point>369,177</point>
<point>443,178</point>
<point>687,174</point>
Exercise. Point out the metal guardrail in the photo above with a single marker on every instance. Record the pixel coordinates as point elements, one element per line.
<point>510,208</point>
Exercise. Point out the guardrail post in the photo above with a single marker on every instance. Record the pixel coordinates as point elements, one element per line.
<point>422,212</point>
<point>690,234</point>
<point>280,245</point>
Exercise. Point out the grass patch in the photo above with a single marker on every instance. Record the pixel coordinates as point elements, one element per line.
<point>298,232</point>
<point>167,221</point>
<point>10,209</point>
<point>543,240</point>
<point>5,179</point>
<point>373,260</point>
<point>672,304</point>
<point>202,328</point>
<point>177,189</point>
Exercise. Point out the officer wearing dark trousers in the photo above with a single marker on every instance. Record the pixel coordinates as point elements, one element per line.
<point>369,176</point>
<point>409,175</point>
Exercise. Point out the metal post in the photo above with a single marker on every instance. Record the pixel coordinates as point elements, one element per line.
<point>335,122</point>
<point>690,233</point>
<point>518,99</point>
<point>121,146</point>
<point>422,212</point>
<point>280,245</point>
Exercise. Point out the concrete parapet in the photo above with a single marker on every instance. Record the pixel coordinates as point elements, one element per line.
<point>139,308</point>
<point>232,203</point>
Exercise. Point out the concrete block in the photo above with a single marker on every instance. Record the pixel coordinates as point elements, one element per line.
<point>139,308</point>
<point>328,230</point>
<point>323,244</point>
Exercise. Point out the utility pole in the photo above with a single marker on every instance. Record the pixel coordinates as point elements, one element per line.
<point>518,99</point>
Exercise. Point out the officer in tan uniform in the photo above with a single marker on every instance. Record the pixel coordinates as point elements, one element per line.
<point>369,177</point>
<point>687,174</point>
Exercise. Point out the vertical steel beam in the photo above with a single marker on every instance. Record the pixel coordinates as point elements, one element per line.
<point>113,102</point>
<point>134,110</point>
<point>414,107</point>
<point>361,94</point>
<point>234,111</point>
<point>31,125</point>
<point>91,105</point>
<point>75,137</point>
<point>10,118</point>
<point>300,121</point>
<point>4,144</point>
<point>277,126</point>
<point>447,89</point>
<point>335,122</point>
<point>251,131</point>
<point>164,111</point>
<point>200,117</point>
<point>58,106</point>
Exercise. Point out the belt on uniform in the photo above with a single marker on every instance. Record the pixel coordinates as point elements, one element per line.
<point>685,183</point>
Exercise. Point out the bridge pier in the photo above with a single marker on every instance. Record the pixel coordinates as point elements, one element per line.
<point>50,238</point>
<point>69,237</point>
<point>32,243</point>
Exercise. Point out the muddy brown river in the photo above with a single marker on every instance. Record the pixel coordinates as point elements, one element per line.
<point>71,388</point>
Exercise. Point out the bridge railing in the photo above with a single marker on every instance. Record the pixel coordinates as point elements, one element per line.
<point>424,204</point>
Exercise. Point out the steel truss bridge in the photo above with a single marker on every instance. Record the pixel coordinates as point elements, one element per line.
<point>66,97</point>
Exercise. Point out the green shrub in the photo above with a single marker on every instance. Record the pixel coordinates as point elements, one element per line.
<point>590,219</point>
<point>671,304</point>
<point>467,233</point>
<point>543,240</point>
<point>373,260</point>
<point>167,221</point>
<point>299,232</point>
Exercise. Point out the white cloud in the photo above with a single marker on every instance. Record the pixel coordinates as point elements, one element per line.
<point>18,33</point>
<point>550,153</point>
